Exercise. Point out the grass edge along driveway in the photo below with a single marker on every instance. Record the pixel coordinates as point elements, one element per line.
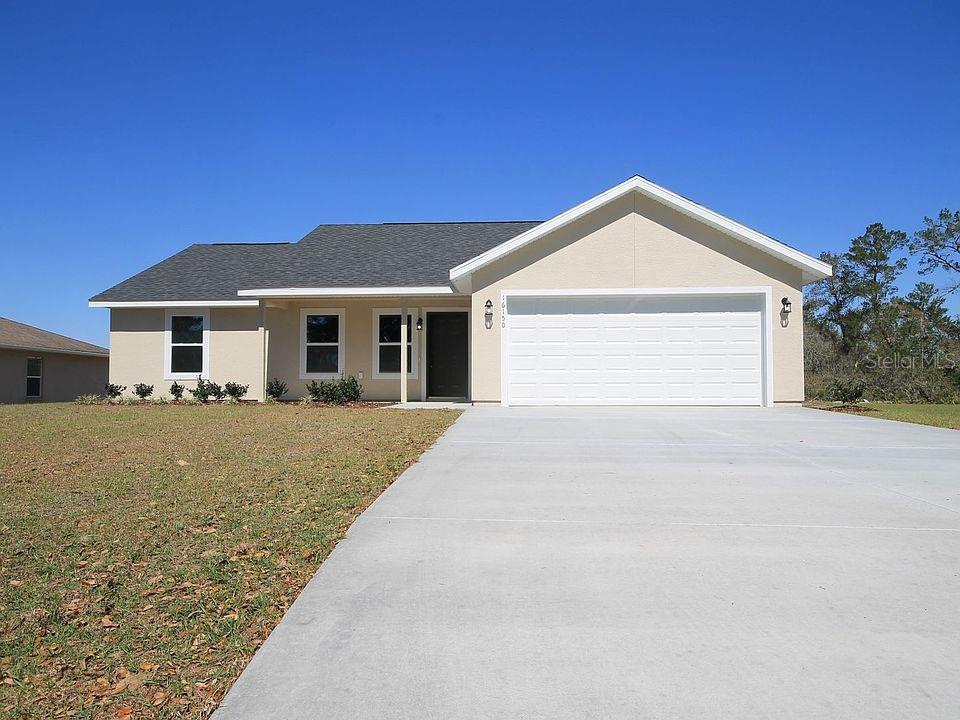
<point>936,415</point>
<point>147,551</point>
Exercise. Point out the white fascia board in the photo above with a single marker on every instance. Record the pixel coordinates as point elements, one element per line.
<point>174,304</point>
<point>813,268</point>
<point>56,351</point>
<point>346,292</point>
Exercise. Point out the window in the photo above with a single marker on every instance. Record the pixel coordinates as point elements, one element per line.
<point>386,344</point>
<point>321,343</point>
<point>187,344</point>
<point>34,377</point>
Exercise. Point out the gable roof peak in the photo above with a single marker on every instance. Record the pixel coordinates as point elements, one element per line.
<point>811,267</point>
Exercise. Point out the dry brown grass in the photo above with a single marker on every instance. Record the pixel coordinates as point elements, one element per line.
<point>147,551</point>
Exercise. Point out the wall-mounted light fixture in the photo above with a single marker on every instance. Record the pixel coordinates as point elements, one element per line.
<point>419,323</point>
<point>488,313</point>
<point>787,306</point>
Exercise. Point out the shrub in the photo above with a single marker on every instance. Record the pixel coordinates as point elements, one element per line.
<point>847,391</point>
<point>320,391</point>
<point>176,390</point>
<point>216,391</point>
<point>351,389</point>
<point>142,390</point>
<point>276,389</point>
<point>335,392</point>
<point>235,391</point>
<point>88,400</point>
<point>113,391</point>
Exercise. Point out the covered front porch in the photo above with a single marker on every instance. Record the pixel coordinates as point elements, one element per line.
<point>322,337</point>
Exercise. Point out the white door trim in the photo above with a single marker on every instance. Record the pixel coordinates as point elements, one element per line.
<point>763,291</point>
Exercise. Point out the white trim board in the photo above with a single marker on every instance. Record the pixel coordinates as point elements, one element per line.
<point>304,292</point>
<point>173,303</point>
<point>764,292</point>
<point>813,269</point>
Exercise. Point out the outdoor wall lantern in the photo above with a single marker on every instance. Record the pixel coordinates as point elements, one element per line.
<point>488,313</point>
<point>787,306</point>
<point>419,323</point>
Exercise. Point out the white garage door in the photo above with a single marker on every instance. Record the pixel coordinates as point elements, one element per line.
<point>634,350</point>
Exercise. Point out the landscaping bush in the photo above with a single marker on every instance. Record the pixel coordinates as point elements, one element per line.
<point>176,391</point>
<point>276,389</point>
<point>113,391</point>
<point>142,390</point>
<point>847,391</point>
<point>335,392</point>
<point>235,391</point>
<point>351,389</point>
<point>88,400</point>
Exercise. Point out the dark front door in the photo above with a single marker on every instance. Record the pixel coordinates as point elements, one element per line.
<point>447,354</point>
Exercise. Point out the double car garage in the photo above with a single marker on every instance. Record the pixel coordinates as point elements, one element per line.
<point>633,347</point>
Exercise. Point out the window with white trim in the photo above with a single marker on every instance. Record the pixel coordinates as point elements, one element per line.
<point>34,377</point>
<point>321,343</point>
<point>386,344</point>
<point>187,344</point>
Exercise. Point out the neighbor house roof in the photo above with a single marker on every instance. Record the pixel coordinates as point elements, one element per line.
<point>17,336</point>
<point>336,256</point>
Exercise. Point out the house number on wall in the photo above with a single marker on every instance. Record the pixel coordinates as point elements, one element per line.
<point>503,312</point>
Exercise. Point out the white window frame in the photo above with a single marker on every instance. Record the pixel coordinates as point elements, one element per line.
<point>168,373</point>
<point>414,313</point>
<point>31,377</point>
<point>341,345</point>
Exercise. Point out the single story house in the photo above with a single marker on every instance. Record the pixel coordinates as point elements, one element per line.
<point>37,365</point>
<point>637,296</point>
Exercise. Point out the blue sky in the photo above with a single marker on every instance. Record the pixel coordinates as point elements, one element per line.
<point>129,131</point>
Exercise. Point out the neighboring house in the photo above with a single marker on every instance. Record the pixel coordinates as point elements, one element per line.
<point>636,296</point>
<point>36,365</point>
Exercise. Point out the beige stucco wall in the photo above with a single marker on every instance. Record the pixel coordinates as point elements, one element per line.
<point>137,348</point>
<point>64,376</point>
<point>283,340</point>
<point>635,242</point>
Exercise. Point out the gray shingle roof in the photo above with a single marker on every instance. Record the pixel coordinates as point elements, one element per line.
<point>27,337</point>
<point>384,255</point>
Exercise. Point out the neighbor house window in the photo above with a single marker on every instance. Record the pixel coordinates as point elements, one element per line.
<point>386,343</point>
<point>187,344</point>
<point>321,343</point>
<point>34,377</point>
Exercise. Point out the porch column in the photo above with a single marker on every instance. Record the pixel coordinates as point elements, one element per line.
<point>264,340</point>
<point>403,354</point>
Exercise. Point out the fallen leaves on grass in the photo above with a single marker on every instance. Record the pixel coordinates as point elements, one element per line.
<point>133,584</point>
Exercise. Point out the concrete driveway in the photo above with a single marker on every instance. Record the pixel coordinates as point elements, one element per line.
<point>631,562</point>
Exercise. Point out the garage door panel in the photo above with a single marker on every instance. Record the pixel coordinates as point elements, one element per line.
<point>634,350</point>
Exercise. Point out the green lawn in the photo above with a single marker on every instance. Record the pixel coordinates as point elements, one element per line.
<point>946,416</point>
<point>147,551</point>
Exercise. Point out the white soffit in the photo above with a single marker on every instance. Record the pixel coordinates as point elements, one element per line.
<point>813,269</point>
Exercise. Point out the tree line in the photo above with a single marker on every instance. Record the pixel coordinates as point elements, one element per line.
<point>862,337</point>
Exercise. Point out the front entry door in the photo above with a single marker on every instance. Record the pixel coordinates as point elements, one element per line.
<point>447,354</point>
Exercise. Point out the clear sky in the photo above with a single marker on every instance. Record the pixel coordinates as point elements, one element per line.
<point>130,130</point>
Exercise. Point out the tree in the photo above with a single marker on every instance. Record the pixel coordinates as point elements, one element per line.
<point>925,322</point>
<point>873,274</point>
<point>938,245</point>
<point>832,303</point>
